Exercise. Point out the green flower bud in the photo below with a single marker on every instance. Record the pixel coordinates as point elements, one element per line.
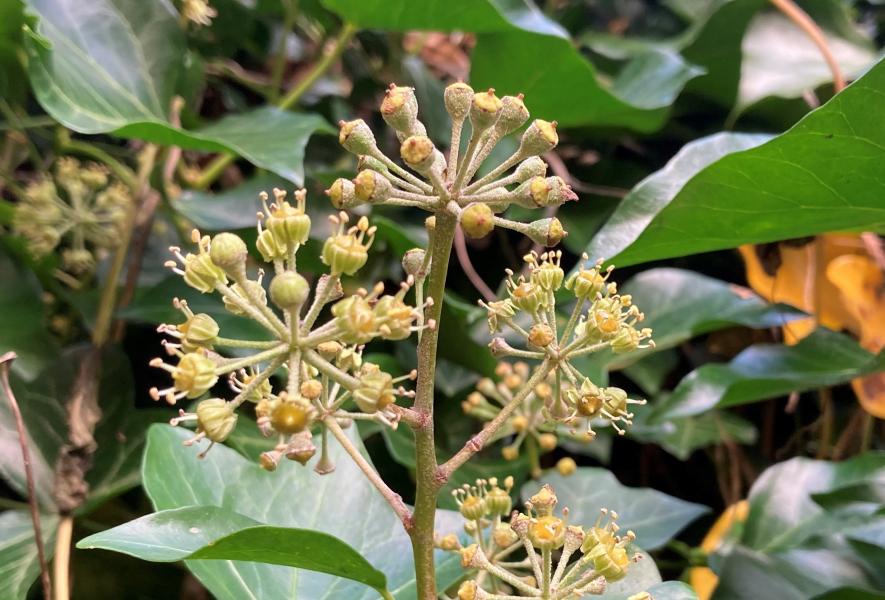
<point>418,152</point>
<point>229,253</point>
<point>194,375</point>
<point>342,194</point>
<point>289,290</point>
<point>290,224</point>
<point>256,290</point>
<point>291,415</point>
<point>477,220</point>
<point>376,389</point>
<point>371,186</point>
<point>413,262</point>
<point>216,418</point>
<point>546,232</point>
<point>347,251</point>
<point>531,167</point>
<point>513,115</point>
<point>270,247</point>
<point>485,110</point>
<point>199,270</point>
<point>356,319</point>
<point>399,109</point>
<point>199,331</point>
<point>458,98</point>
<point>357,137</point>
<point>539,138</point>
<point>472,507</point>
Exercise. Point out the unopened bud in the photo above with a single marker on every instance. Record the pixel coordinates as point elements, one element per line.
<point>513,115</point>
<point>547,442</point>
<point>289,290</point>
<point>413,262</point>
<point>547,232</point>
<point>477,220</point>
<point>357,137</point>
<point>229,252</point>
<point>531,167</point>
<point>399,109</point>
<point>484,109</point>
<point>539,138</point>
<point>566,466</point>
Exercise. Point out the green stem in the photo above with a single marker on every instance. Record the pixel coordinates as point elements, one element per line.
<point>427,486</point>
<point>222,161</point>
<point>279,64</point>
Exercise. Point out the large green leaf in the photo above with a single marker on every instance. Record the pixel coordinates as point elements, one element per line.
<point>793,547</point>
<point>764,371</point>
<point>342,504</point>
<point>820,173</point>
<point>654,516</point>
<point>22,328</point>
<point>520,50</point>
<point>210,532</point>
<point>19,566</point>
<point>681,437</point>
<point>112,66</point>
<point>780,60</point>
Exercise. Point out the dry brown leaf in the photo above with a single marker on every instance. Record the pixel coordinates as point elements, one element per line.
<point>446,54</point>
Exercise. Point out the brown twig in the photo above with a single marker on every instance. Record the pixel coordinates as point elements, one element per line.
<point>798,16</point>
<point>5,362</point>
<point>467,267</point>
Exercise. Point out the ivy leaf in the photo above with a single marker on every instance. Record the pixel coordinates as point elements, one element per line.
<point>822,165</point>
<point>764,371</point>
<point>113,66</point>
<point>211,532</point>
<point>681,437</point>
<point>19,566</point>
<point>22,321</point>
<point>539,60</point>
<point>654,516</point>
<point>343,504</point>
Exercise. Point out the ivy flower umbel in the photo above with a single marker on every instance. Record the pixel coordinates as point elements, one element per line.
<point>436,182</point>
<point>528,312</point>
<point>559,560</point>
<point>81,210</point>
<point>326,378</point>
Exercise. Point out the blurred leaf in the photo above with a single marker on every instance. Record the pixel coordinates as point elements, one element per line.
<point>780,60</point>
<point>654,516</point>
<point>19,567</point>
<point>22,322</point>
<point>113,66</point>
<point>782,510</point>
<point>234,208</point>
<point>681,437</point>
<point>672,590</point>
<point>211,532</point>
<point>13,84</point>
<point>650,372</point>
<point>849,593</point>
<point>105,65</point>
<point>680,304</point>
<point>765,371</point>
<point>823,165</point>
<point>541,60</point>
<point>343,504</point>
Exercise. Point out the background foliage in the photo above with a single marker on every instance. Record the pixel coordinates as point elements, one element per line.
<point>712,159</point>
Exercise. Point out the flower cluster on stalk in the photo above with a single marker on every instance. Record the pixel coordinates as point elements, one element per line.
<point>81,210</point>
<point>321,362</point>
<point>537,553</point>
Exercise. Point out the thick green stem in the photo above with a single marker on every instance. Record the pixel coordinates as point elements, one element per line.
<point>427,486</point>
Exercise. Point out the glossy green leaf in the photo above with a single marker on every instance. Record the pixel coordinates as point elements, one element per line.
<point>764,371</point>
<point>105,65</point>
<point>13,83</point>
<point>641,576</point>
<point>113,66</point>
<point>654,516</point>
<point>22,322</point>
<point>681,437</point>
<point>650,372</point>
<point>780,60</point>
<point>19,567</point>
<point>819,172</point>
<point>541,60</point>
<point>680,304</point>
<point>211,532</point>
<point>343,504</point>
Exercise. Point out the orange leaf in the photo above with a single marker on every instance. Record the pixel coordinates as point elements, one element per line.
<point>703,579</point>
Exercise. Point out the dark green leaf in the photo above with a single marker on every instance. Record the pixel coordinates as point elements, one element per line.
<point>822,166</point>
<point>654,516</point>
<point>764,371</point>
<point>343,504</point>
<point>210,532</point>
<point>681,437</point>
<point>650,372</point>
<point>19,566</point>
<point>520,50</point>
<point>22,323</point>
